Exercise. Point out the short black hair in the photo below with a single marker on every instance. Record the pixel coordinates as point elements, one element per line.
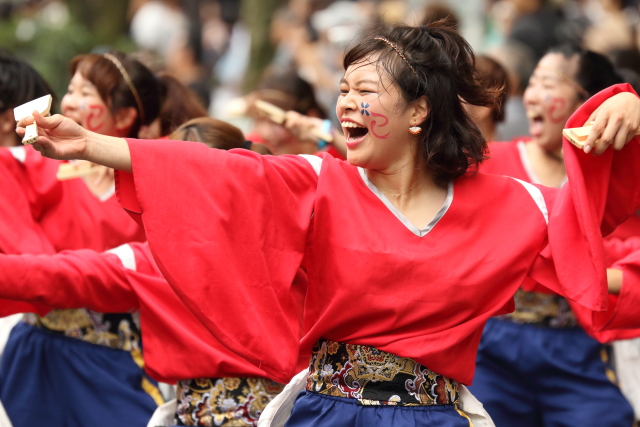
<point>436,62</point>
<point>19,82</point>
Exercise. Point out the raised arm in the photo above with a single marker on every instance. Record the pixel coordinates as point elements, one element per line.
<point>601,193</point>
<point>62,138</point>
<point>70,279</point>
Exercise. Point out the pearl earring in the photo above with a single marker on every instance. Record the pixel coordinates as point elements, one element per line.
<point>415,130</point>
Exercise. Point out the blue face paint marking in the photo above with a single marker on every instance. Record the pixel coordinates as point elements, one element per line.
<point>364,107</point>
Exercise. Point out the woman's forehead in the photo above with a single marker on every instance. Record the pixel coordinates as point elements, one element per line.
<point>558,64</point>
<point>79,79</point>
<point>365,72</point>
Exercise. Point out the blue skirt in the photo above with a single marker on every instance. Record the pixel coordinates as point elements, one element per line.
<point>315,409</point>
<point>532,376</point>
<point>49,379</point>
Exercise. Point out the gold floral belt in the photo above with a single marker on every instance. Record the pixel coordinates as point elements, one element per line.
<point>114,330</point>
<point>375,377</point>
<point>547,310</point>
<point>228,402</point>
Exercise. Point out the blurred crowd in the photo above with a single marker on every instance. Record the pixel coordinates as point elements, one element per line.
<point>184,70</point>
<point>205,44</point>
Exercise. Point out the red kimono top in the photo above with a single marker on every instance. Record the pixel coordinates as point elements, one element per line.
<point>125,279</point>
<point>63,214</point>
<point>510,159</point>
<point>70,215</point>
<point>19,232</point>
<point>229,230</point>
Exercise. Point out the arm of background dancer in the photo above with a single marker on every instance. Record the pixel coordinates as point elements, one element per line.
<point>314,129</point>
<point>62,138</point>
<point>71,279</point>
<point>614,280</point>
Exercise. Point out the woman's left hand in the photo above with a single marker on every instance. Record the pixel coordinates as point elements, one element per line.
<point>615,122</point>
<point>302,127</point>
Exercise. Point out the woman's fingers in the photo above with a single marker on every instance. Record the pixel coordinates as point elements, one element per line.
<point>594,135</point>
<point>609,134</point>
<point>23,122</point>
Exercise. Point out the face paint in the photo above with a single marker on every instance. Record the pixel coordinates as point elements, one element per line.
<point>364,109</point>
<point>374,123</point>
<point>83,106</point>
<point>94,119</point>
<point>557,110</point>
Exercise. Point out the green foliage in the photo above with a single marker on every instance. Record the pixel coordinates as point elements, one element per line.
<point>49,49</point>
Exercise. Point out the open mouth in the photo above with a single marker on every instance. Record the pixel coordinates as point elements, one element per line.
<point>536,123</point>
<point>353,131</point>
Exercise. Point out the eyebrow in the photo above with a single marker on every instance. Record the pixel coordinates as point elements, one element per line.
<point>361,81</point>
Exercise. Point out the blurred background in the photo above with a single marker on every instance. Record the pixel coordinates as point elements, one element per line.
<point>224,49</point>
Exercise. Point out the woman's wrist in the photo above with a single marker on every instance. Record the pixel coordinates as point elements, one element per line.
<point>614,280</point>
<point>325,129</point>
<point>108,151</point>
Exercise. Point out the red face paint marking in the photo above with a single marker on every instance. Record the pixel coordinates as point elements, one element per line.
<point>95,113</point>
<point>556,110</point>
<point>374,123</point>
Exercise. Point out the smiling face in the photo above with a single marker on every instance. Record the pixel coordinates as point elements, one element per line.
<point>550,99</point>
<point>82,103</point>
<point>375,119</point>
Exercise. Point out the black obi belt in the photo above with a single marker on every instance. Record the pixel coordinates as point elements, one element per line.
<point>375,377</point>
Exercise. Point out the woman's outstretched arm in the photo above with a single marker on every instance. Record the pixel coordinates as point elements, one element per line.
<point>62,138</point>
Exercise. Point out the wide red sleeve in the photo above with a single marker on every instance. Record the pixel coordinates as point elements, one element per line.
<point>601,193</point>
<point>624,312</point>
<point>228,231</point>
<point>70,279</point>
<point>176,344</point>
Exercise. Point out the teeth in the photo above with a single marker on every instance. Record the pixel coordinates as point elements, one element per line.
<point>350,125</point>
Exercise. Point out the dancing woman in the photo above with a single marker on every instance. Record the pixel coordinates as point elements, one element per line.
<point>407,255</point>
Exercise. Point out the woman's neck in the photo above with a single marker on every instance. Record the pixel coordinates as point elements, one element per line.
<point>488,129</point>
<point>412,190</point>
<point>547,165</point>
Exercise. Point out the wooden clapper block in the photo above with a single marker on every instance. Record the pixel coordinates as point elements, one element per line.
<point>578,136</point>
<point>43,106</point>
<point>75,169</point>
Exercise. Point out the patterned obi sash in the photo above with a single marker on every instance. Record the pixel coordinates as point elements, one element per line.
<point>228,402</point>
<point>114,330</point>
<point>375,377</point>
<point>547,310</point>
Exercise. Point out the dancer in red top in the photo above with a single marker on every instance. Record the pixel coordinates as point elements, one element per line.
<point>177,348</point>
<point>534,365</point>
<point>93,360</point>
<point>406,254</point>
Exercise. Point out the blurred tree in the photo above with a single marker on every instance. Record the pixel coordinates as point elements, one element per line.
<point>48,34</point>
<point>257,15</point>
<point>106,18</point>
